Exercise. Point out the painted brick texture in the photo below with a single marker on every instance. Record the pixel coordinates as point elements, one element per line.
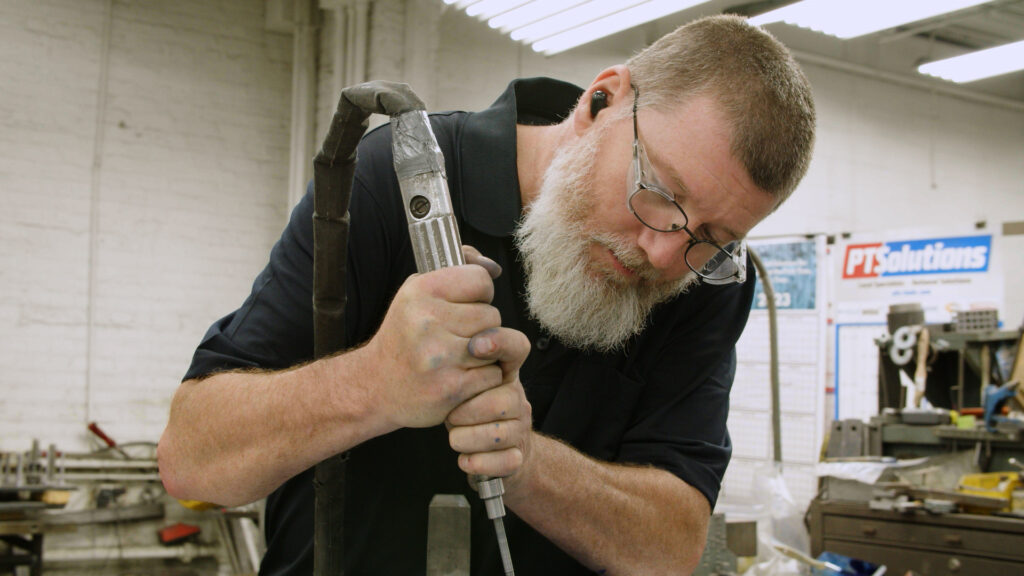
<point>176,219</point>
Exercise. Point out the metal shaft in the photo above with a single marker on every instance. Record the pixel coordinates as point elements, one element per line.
<point>491,490</point>
<point>506,557</point>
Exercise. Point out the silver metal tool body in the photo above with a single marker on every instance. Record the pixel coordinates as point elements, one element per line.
<point>436,244</point>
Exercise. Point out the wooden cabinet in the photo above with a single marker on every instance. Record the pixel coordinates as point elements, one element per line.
<point>933,545</point>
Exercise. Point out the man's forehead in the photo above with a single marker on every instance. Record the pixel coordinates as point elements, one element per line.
<point>690,145</point>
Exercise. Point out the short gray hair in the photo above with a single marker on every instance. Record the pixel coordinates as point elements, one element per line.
<point>763,92</point>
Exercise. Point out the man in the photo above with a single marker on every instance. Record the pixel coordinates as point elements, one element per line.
<point>585,354</point>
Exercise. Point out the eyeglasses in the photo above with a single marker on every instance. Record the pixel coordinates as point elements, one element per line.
<point>657,209</point>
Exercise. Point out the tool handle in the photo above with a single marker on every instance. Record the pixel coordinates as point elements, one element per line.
<point>436,244</point>
<point>419,165</point>
<point>435,237</point>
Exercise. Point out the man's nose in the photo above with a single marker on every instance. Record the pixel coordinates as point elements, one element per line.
<point>665,250</point>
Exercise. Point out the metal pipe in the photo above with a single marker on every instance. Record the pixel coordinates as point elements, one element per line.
<point>185,552</point>
<point>333,171</point>
<point>773,345</point>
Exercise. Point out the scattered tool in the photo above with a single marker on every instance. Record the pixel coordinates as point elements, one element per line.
<point>177,533</point>
<point>95,429</point>
<point>995,399</point>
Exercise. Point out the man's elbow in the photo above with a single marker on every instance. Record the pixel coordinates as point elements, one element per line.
<point>694,517</point>
<point>170,468</point>
<point>694,539</point>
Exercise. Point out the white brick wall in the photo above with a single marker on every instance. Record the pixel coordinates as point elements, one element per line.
<point>190,198</point>
<point>192,181</point>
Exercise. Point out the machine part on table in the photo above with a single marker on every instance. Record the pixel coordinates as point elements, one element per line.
<point>903,341</point>
<point>907,314</point>
<point>925,416</point>
<point>718,559</point>
<point>846,439</point>
<point>146,511</point>
<point>448,535</point>
<point>936,506</point>
<point>982,320</point>
<point>804,558</point>
<point>958,367</point>
<point>995,398</point>
<point>34,471</point>
<point>177,533</point>
<point>921,371</point>
<point>419,165</point>
<point>741,537</point>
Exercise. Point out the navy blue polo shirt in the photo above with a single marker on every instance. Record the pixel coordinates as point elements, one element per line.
<point>663,401</point>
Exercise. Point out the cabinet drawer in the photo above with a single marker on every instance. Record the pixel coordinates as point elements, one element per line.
<point>933,563</point>
<point>919,534</point>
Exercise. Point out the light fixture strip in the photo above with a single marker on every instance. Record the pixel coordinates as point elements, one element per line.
<point>571,18</point>
<point>977,65</point>
<point>610,24</point>
<point>490,8</point>
<point>856,18</point>
<point>461,4</point>
<point>529,13</point>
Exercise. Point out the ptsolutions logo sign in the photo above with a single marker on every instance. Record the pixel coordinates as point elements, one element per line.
<point>916,257</point>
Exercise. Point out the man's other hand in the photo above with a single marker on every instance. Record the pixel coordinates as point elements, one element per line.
<point>492,430</point>
<point>423,353</point>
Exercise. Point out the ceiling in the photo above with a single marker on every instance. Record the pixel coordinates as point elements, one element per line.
<point>894,53</point>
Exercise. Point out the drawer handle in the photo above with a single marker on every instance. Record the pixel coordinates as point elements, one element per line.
<point>869,530</point>
<point>953,539</point>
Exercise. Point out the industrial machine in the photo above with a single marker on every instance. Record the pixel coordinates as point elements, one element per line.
<point>949,435</point>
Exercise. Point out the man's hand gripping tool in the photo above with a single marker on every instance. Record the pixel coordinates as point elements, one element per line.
<point>436,243</point>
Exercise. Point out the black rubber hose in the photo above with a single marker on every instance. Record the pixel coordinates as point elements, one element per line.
<point>333,170</point>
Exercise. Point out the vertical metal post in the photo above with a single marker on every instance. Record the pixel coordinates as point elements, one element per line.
<point>448,536</point>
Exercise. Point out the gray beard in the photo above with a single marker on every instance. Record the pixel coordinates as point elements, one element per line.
<point>574,300</point>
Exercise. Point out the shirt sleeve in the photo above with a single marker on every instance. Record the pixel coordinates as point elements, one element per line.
<point>273,328</point>
<point>679,423</point>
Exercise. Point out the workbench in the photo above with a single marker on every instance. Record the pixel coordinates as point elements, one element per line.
<point>935,545</point>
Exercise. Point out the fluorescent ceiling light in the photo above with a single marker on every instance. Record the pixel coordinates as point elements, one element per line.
<point>610,24</point>
<point>977,65</point>
<point>461,3</point>
<point>528,13</point>
<point>566,19</point>
<point>491,8</point>
<point>553,26</point>
<point>856,18</point>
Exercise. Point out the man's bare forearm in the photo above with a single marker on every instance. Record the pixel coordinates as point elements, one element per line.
<point>614,519</point>
<point>234,437</point>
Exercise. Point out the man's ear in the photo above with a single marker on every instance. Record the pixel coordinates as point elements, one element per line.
<point>609,91</point>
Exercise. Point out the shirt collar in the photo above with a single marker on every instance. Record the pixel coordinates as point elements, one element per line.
<point>489,176</point>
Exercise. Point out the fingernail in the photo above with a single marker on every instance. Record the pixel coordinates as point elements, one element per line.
<point>492,267</point>
<point>481,346</point>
